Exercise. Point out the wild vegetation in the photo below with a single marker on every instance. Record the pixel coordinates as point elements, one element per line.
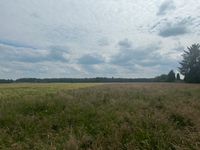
<point>150,116</point>
<point>190,65</point>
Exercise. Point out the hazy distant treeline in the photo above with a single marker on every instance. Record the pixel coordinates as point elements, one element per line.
<point>76,80</point>
<point>170,77</point>
<point>6,81</point>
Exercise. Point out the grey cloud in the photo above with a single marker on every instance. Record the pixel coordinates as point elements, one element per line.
<point>173,27</point>
<point>179,48</point>
<point>165,7</point>
<point>35,15</point>
<point>56,55</point>
<point>59,48</point>
<point>9,53</point>
<point>38,70</point>
<point>125,53</point>
<point>158,59</point>
<point>90,59</point>
<point>125,43</point>
<point>15,44</point>
<point>60,34</point>
<point>103,42</point>
<point>21,54</point>
<point>101,70</point>
<point>173,30</point>
<point>129,55</point>
<point>147,56</point>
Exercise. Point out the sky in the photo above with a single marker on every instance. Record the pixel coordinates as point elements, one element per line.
<point>95,38</point>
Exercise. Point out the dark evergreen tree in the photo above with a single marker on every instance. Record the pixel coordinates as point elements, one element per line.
<point>190,65</point>
<point>171,76</point>
<point>178,77</point>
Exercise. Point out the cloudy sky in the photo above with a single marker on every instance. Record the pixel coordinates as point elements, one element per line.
<point>90,38</point>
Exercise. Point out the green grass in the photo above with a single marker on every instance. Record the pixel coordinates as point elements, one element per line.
<point>96,116</point>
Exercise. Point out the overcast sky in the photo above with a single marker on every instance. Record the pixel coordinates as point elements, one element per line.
<point>90,38</point>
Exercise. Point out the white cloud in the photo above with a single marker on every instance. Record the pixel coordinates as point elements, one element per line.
<point>56,34</point>
<point>166,6</point>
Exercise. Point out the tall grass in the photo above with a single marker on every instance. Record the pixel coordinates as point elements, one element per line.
<point>110,116</point>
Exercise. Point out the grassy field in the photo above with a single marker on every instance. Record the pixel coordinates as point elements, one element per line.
<point>100,116</point>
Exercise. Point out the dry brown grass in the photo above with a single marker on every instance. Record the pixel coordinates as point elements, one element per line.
<point>110,116</point>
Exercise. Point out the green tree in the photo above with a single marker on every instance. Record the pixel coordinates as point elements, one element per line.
<point>190,65</point>
<point>178,77</point>
<point>171,76</point>
<point>161,78</point>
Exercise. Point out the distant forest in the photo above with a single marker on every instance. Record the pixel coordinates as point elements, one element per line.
<point>76,80</point>
<point>163,78</point>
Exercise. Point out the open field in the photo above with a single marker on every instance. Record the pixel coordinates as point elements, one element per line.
<point>152,116</point>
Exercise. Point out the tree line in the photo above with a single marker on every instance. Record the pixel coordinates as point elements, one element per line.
<point>170,77</point>
<point>163,78</point>
<point>189,68</point>
<point>77,80</point>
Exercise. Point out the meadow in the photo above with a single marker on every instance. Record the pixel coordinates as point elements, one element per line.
<point>143,116</point>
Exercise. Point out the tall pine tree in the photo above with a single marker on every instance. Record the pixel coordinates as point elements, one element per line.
<point>190,65</point>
